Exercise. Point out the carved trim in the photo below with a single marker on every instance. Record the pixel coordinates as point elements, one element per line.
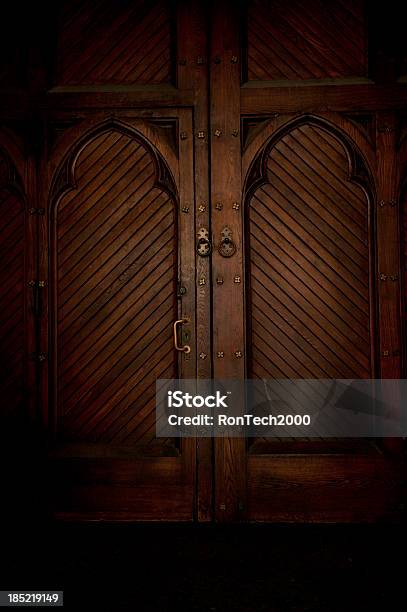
<point>251,126</point>
<point>168,131</point>
<point>358,169</point>
<point>64,178</point>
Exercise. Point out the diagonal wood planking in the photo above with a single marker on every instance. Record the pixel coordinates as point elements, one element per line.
<point>309,264</point>
<point>11,301</point>
<point>120,43</point>
<point>117,266</point>
<point>306,40</point>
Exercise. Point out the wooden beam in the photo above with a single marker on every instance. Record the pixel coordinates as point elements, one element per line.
<point>150,96</point>
<point>264,98</point>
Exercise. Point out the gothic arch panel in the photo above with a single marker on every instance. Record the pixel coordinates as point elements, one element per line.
<point>308,238</point>
<point>115,266</point>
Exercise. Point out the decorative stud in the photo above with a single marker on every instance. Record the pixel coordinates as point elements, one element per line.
<point>183,135</point>
<point>36,211</point>
<point>202,355</point>
<point>219,280</point>
<point>217,133</point>
<point>185,209</point>
<point>219,206</point>
<point>201,134</point>
<point>392,277</point>
<point>33,283</point>
<point>222,507</point>
<point>202,281</point>
<point>235,133</point>
<point>385,353</point>
<point>37,356</point>
<point>200,60</point>
<point>236,206</point>
<point>234,59</point>
<point>220,354</point>
<point>237,279</point>
<point>238,354</point>
<point>202,208</point>
<point>391,203</point>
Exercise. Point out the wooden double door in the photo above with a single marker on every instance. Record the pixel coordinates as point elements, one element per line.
<point>214,172</point>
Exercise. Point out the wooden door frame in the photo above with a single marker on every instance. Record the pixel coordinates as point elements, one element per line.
<point>209,63</point>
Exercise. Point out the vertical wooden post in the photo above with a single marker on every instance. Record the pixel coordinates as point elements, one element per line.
<point>228,272</point>
<point>45,367</point>
<point>31,274</point>
<point>192,73</point>
<point>388,252</point>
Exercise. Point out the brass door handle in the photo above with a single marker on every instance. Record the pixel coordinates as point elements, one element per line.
<point>183,349</point>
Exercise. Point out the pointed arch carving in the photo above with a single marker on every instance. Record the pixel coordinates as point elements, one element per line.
<point>309,233</point>
<point>64,178</point>
<point>358,168</point>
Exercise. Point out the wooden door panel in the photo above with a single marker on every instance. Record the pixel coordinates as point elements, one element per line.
<point>310,261</point>
<point>117,270</point>
<point>308,264</point>
<point>119,247</point>
<point>115,43</point>
<point>305,40</point>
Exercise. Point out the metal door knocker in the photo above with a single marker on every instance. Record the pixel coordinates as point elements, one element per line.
<point>226,247</point>
<point>203,245</point>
